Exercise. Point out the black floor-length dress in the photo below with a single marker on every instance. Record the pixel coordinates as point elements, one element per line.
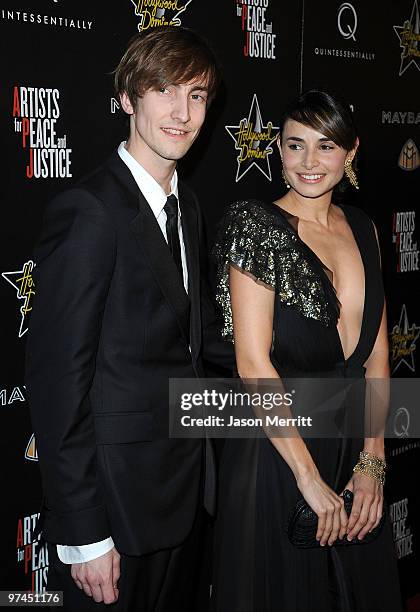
<point>256,568</point>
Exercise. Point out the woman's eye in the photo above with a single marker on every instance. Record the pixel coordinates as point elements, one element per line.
<point>327,147</point>
<point>295,147</point>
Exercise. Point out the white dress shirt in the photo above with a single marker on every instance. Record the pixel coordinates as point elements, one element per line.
<point>156,198</point>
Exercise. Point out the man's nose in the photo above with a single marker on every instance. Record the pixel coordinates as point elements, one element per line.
<point>181,109</point>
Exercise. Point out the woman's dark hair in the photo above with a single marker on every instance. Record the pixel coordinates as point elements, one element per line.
<point>325,113</point>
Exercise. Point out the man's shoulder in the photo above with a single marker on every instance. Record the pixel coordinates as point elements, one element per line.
<point>106,185</point>
<point>94,177</point>
<point>106,182</point>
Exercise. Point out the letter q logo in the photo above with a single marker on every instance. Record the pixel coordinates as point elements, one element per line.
<point>347,21</point>
<point>402,422</point>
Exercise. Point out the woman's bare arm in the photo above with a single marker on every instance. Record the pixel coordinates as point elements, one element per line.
<point>253,311</point>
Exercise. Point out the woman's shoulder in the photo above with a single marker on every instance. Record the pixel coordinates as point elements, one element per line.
<point>255,214</point>
<point>254,225</point>
<point>245,207</point>
<point>258,238</point>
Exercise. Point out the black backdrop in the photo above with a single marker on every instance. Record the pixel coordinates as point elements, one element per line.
<point>56,63</point>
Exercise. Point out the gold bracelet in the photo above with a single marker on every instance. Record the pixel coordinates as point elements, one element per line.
<point>371,465</point>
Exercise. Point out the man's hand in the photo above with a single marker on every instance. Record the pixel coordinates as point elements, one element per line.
<point>98,578</point>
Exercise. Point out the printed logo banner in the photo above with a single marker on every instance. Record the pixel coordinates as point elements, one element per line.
<point>403,339</point>
<point>31,555</point>
<point>260,40</point>
<point>24,285</point>
<point>35,113</point>
<point>154,13</point>
<point>409,36</point>
<point>254,141</point>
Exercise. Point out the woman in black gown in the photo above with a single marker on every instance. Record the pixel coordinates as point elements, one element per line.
<point>299,283</point>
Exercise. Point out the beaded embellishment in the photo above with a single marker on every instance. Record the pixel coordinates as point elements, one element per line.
<point>262,244</point>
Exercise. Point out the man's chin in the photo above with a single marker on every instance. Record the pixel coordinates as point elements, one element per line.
<point>174,155</point>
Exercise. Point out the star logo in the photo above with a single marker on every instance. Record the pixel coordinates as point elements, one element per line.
<point>152,16</point>
<point>23,283</point>
<point>409,35</point>
<point>253,140</point>
<point>403,342</point>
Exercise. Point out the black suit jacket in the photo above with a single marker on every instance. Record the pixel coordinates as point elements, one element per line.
<point>111,323</point>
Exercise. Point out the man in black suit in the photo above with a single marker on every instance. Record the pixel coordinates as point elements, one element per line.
<point>121,307</point>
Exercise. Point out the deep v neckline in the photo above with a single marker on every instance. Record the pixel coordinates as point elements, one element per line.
<point>323,268</point>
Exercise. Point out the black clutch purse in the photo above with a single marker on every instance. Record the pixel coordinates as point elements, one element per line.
<point>303,525</point>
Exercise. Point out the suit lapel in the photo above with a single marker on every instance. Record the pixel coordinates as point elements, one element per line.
<point>190,234</point>
<point>155,249</point>
<point>152,242</point>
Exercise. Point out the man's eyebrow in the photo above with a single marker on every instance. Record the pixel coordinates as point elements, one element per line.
<point>200,88</point>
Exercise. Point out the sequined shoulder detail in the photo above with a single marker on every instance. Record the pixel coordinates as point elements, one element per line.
<point>263,244</point>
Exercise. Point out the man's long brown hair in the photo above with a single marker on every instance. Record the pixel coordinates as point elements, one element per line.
<point>165,56</point>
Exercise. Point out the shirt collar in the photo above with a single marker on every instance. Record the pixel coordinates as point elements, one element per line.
<point>150,188</point>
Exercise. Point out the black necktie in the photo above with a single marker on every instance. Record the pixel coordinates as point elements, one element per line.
<point>171,209</point>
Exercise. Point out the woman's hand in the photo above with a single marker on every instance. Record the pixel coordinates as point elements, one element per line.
<point>329,507</point>
<point>367,505</point>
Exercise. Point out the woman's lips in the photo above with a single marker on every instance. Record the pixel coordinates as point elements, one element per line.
<point>311,179</point>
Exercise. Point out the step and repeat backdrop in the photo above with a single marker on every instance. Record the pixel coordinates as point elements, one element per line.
<point>59,119</point>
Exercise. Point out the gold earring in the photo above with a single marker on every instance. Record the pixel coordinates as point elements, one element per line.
<point>350,173</point>
<point>285,179</point>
